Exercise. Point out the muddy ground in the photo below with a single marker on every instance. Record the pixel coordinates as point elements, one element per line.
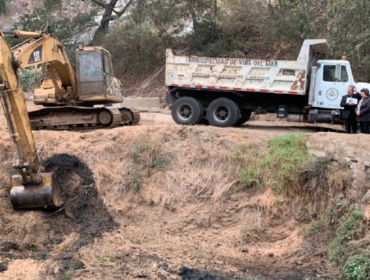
<point>154,201</point>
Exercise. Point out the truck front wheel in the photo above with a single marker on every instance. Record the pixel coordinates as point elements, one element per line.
<point>186,110</point>
<point>223,112</point>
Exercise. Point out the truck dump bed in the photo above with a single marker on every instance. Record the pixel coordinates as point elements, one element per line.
<point>242,74</point>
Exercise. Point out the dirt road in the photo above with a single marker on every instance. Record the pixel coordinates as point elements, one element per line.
<point>258,122</point>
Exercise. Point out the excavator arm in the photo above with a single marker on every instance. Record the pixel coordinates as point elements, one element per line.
<point>46,49</point>
<point>31,187</point>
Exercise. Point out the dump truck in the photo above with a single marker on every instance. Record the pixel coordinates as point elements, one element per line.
<point>69,95</point>
<point>225,91</point>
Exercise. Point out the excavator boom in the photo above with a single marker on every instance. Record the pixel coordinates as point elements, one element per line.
<point>31,188</point>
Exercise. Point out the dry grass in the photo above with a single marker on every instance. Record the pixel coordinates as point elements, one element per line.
<point>162,164</point>
<point>322,180</point>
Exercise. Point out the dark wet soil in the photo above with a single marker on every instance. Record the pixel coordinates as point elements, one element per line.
<point>254,274</point>
<point>192,274</point>
<point>83,212</point>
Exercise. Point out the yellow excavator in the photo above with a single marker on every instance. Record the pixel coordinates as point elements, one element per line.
<point>69,96</point>
<point>31,186</point>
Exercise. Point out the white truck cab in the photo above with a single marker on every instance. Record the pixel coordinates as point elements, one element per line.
<point>332,80</point>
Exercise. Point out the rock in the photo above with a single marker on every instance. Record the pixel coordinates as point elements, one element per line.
<point>155,265</point>
<point>7,246</point>
<point>139,274</point>
<point>3,267</point>
<point>367,212</point>
<point>366,198</point>
<point>298,262</point>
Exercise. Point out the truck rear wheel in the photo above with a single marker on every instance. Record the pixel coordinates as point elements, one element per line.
<point>186,110</point>
<point>223,112</point>
<point>200,120</point>
<point>246,115</point>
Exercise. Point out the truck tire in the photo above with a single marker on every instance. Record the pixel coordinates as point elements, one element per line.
<point>186,110</point>
<point>246,115</point>
<point>200,120</point>
<point>223,112</point>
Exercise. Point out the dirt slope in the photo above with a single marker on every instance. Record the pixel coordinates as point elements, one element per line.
<point>163,202</point>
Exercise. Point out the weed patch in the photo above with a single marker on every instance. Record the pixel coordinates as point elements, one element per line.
<point>279,169</point>
<point>321,179</point>
<point>348,230</point>
<point>148,155</point>
<point>323,229</point>
<point>287,154</point>
<point>357,267</point>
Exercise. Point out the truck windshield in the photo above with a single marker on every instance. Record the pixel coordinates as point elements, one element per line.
<point>90,66</point>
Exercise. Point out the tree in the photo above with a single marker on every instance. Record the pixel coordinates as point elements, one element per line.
<point>3,7</point>
<point>341,22</point>
<point>202,14</point>
<point>111,12</point>
<point>165,17</point>
<point>68,26</point>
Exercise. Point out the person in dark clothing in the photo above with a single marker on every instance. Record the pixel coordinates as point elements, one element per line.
<point>363,111</point>
<point>349,103</point>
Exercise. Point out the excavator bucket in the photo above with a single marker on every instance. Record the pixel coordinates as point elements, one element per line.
<point>45,195</point>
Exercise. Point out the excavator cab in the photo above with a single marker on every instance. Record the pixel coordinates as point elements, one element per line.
<point>95,79</point>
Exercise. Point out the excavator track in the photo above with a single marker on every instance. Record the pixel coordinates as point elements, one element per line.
<point>129,117</point>
<point>79,118</point>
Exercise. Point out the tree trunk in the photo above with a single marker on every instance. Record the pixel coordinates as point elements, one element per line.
<point>3,7</point>
<point>110,13</point>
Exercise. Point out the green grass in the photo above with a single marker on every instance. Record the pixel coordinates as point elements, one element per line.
<point>287,154</point>
<point>280,167</point>
<point>67,274</point>
<point>357,267</point>
<point>349,229</point>
<point>137,182</point>
<point>249,176</point>
<point>32,247</point>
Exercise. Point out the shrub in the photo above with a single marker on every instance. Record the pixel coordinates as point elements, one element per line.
<point>287,154</point>
<point>280,168</point>
<point>357,267</point>
<point>30,79</point>
<point>134,48</point>
<point>347,231</point>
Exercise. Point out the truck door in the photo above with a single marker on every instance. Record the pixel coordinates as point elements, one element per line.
<point>332,81</point>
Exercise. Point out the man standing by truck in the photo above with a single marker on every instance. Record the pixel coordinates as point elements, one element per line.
<point>349,103</point>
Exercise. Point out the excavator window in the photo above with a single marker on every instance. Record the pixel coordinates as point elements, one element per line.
<point>107,70</point>
<point>91,67</point>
